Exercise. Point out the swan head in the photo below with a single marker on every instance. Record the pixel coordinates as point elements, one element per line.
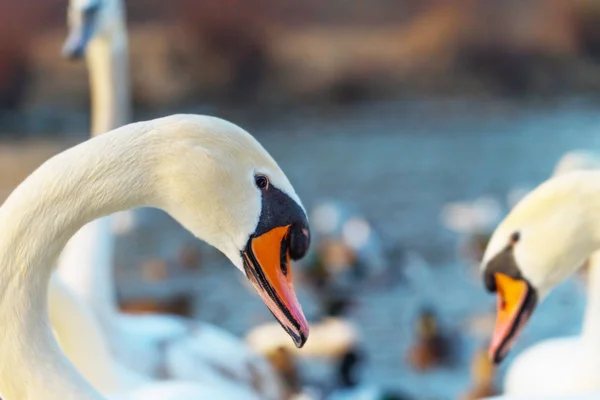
<point>89,19</point>
<point>223,186</point>
<point>543,240</point>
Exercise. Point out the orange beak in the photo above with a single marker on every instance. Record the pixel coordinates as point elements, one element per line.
<point>516,302</point>
<point>267,265</point>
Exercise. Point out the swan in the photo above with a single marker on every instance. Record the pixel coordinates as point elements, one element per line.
<point>558,366</point>
<point>154,345</point>
<point>543,240</point>
<point>210,175</point>
<point>80,337</point>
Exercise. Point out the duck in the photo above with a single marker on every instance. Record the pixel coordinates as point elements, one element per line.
<point>286,366</point>
<point>349,385</point>
<point>545,239</point>
<point>548,359</point>
<point>432,348</point>
<point>482,375</point>
<point>349,244</point>
<point>209,174</point>
<point>474,222</point>
<point>149,343</point>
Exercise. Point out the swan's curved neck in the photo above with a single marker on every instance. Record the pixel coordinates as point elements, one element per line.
<point>108,67</point>
<point>95,178</point>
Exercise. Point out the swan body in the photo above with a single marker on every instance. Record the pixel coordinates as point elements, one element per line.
<point>543,240</point>
<point>564,365</point>
<point>210,175</point>
<point>80,337</point>
<point>158,346</point>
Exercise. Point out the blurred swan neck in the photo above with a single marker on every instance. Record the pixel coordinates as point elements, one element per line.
<point>108,65</point>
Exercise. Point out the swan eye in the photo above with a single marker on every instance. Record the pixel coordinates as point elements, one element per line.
<point>514,238</point>
<point>262,182</point>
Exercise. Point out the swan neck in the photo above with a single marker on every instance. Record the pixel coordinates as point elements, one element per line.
<point>108,65</point>
<point>98,177</point>
<point>86,267</point>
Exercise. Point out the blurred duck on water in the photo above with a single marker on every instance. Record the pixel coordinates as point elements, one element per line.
<point>157,346</point>
<point>432,348</point>
<point>128,168</point>
<point>543,240</point>
<point>474,222</point>
<point>350,387</point>
<point>347,248</point>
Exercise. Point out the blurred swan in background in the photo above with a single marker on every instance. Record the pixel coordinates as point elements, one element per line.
<point>181,164</point>
<point>159,346</point>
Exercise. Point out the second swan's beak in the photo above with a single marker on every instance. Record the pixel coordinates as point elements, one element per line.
<point>267,265</point>
<point>515,303</point>
<point>80,34</point>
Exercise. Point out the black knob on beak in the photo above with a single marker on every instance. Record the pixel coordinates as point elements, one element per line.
<point>299,241</point>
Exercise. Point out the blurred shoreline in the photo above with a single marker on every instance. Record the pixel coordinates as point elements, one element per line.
<point>266,57</point>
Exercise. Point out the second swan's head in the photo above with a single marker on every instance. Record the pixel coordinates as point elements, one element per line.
<point>544,239</point>
<point>89,19</point>
<point>222,185</point>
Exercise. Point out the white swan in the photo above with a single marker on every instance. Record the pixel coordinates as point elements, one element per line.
<point>81,338</point>
<point>560,365</point>
<point>543,240</point>
<point>155,345</point>
<point>207,173</point>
